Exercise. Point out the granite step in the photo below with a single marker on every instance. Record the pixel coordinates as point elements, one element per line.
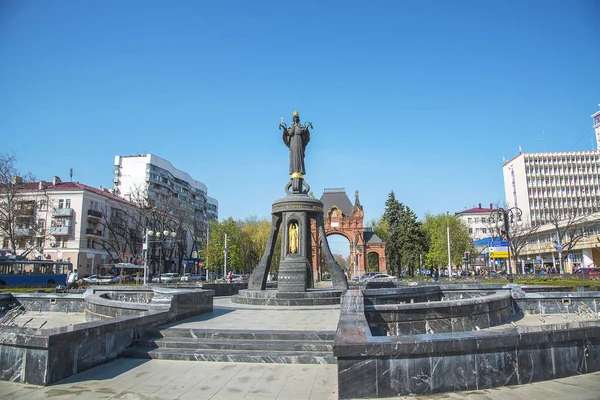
<point>288,347</point>
<point>219,355</point>
<point>223,344</point>
<point>236,334</point>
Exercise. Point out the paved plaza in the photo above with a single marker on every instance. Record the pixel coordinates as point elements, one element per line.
<point>166,379</point>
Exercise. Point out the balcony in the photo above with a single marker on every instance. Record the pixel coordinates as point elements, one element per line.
<point>23,232</point>
<point>93,214</point>
<point>60,230</point>
<point>93,232</point>
<point>62,212</point>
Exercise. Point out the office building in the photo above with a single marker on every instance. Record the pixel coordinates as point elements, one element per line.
<point>554,186</point>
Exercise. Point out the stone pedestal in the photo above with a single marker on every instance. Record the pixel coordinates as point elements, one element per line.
<point>293,214</point>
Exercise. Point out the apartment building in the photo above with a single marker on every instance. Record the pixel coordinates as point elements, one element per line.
<point>552,186</point>
<point>152,176</point>
<point>477,219</point>
<point>67,221</point>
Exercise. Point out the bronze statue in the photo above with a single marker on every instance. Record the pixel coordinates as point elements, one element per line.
<point>296,137</point>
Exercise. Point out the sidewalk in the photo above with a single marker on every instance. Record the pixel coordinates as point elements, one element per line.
<point>161,379</point>
<point>165,379</point>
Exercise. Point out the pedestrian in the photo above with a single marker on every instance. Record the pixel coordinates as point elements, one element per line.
<point>436,275</point>
<point>229,277</point>
<point>71,279</point>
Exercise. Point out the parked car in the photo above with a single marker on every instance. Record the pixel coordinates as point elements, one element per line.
<point>382,277</point>
<point>368,275</point>
<point>97,279</point>
<point>234,278</point>
<point>192,278</point>
<point>126,279</point>
<point>169,277</point>
<point>588,271</point>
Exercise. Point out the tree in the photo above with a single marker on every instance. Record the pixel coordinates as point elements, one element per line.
<point>569,228</point>
<point>406,240</point>
<point>435,228</point>
<point>519,232</point>
<point>19,202</point>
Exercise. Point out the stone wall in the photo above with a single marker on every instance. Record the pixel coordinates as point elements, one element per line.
<point>389,366</point>
<point>458,315</point>
<point>43,356</point>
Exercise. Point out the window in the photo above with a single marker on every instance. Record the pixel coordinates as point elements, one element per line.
<point>483,230</point>
<point>469,220</point>
<point>68,203</point>
<point>470,230</point>
<point>64,243</point>
<point>61,204</point>
<point>41,224</point>
<point>43,205</point>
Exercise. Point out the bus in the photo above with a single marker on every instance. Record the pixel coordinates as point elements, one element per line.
<point>33,272</point>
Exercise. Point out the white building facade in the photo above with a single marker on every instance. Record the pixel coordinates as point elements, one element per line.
<point>477,219</point>
<point>546,185</point>
<point>152,176</point>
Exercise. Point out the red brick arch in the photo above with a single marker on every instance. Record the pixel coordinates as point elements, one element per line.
<point>348,223</point>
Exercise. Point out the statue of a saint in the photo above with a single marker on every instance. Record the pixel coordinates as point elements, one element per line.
<point>296,137</point>
<point>293,238</point>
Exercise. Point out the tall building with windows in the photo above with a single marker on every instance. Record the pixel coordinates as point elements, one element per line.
<point>556,186</point>
<point>477,220</point>
<point>546,184</point>
<point>153,176</point>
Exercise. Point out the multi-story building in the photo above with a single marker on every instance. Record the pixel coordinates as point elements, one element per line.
<point>477,219</point>
<point>553,187</point>
<point>68,221</point>
<point>154,177</point>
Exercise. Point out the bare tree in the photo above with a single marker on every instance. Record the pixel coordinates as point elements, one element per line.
<point>569,228</point>
<point>515,230</point>
<point>20,200</point>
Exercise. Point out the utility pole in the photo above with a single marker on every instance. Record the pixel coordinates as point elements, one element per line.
<point>448,234</point>
<point>225,263</point>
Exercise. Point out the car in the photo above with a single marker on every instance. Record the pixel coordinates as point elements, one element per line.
<point>368,275</point>
<point>97,279</point>
<point>169,277</point>
<point>126,279</point>
<point>234,278</point>
<point>192,277</point>
<point>588,271</point>
<point>382,277</point>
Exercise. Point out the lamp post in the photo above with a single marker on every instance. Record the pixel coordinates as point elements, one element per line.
<point>159,237</point>
<point>505,220</point>
<point>448,235</point>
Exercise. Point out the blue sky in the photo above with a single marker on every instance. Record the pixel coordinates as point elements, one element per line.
<point>424,98</point>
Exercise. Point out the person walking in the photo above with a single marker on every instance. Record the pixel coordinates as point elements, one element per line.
<point>436,274</point>
<point>71,279</point>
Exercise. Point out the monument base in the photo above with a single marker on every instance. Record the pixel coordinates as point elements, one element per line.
<point>312,297</point>
<point>292,274</point>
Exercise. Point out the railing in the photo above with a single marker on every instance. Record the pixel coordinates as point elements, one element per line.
<point>23,232</point>
<point>60,230</point>
<point>94,214</point>
<point>62,212</point>
<point>93,232</point>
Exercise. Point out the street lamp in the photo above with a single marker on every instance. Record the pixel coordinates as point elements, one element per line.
<point>505,220</point>
<point>159,237</point>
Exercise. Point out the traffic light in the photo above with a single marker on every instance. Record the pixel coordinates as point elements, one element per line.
<point>466,255</point>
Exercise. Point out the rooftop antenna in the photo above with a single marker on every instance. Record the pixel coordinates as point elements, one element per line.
<point>543,141</point>
<point>71,174</point>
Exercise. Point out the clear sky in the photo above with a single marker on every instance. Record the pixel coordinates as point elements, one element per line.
<point>424,98</point>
